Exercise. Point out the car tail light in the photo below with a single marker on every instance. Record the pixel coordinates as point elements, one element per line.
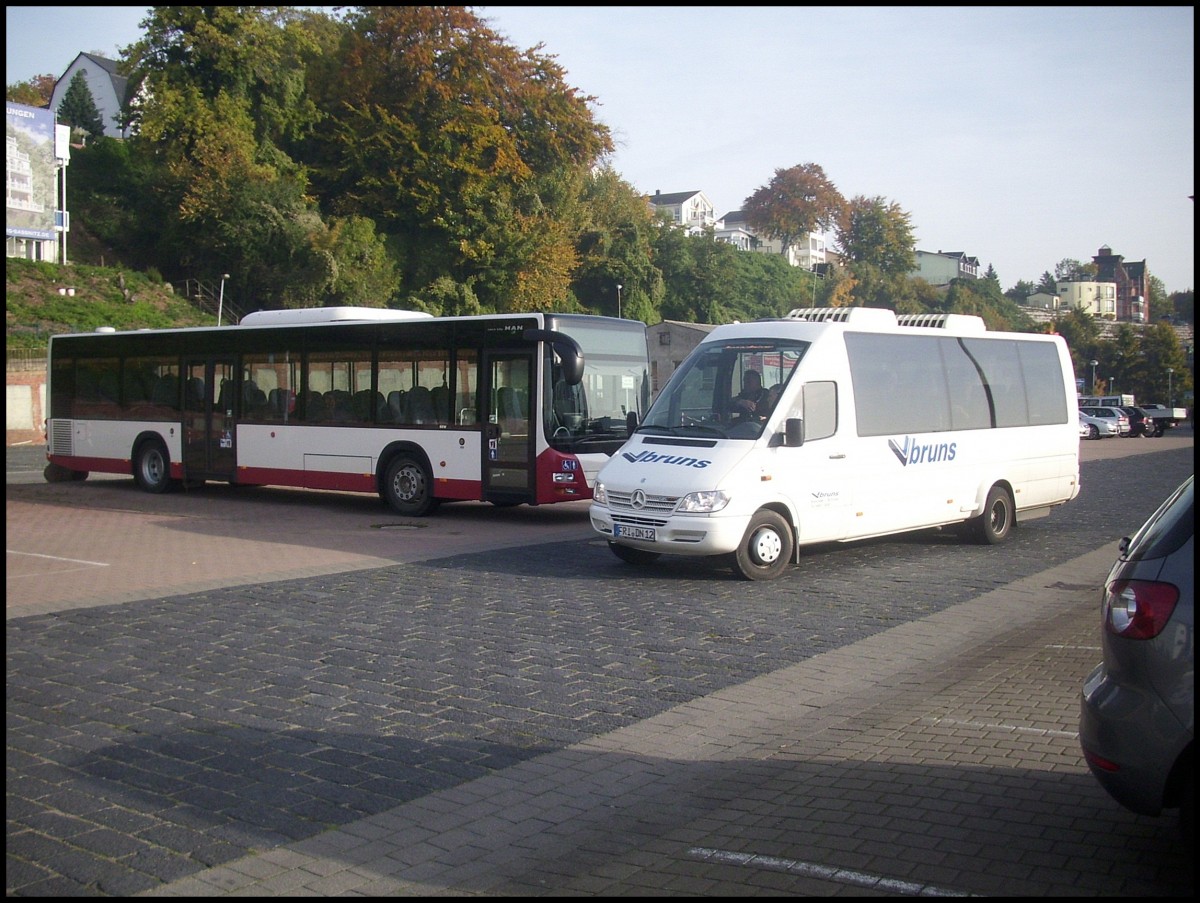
<point>1138,609</point>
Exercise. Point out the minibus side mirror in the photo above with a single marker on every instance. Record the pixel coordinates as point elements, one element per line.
<point>793,432</point>
<point>631,423</point>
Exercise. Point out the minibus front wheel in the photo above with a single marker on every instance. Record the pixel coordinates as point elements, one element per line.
<point>766,547</point>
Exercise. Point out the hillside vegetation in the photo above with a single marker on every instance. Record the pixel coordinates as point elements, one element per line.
<point>103,296</point>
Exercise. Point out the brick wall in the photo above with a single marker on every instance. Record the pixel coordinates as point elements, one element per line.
<point>25,407</point>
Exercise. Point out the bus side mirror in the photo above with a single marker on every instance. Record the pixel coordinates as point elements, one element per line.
<point>631,423</point>
<point>793,432</point>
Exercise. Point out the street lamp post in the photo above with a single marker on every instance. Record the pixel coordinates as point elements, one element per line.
<point>221,298</point>
<point>1112,385</point>
<point>1170,393</point>
<point>1095,364</point>
<point>619,287</point>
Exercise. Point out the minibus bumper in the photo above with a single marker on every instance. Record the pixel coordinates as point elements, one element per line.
<point>676,535</point>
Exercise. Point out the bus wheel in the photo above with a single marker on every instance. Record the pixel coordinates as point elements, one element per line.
<point>152,467</point>
<point>997,519</point>
<point>633,556</point>
<point>766,549</point>
<point>408,487</point>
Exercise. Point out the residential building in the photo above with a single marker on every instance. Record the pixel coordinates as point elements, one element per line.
<point>809,252</point>
<point>940,267</point>
<point>1043,301</point>
<point>691,209</point>
<point>1130,278</point>
<point>107,87</point>
<point>1096,298</point>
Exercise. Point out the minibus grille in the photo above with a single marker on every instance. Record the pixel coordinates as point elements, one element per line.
<point>631,521</point>
<point>652,504</point>
<point>61,438</point>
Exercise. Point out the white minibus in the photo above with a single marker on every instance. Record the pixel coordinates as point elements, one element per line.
<point>857,423</point>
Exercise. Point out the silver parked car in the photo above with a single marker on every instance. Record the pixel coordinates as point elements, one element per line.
<point>1097,427</point>
<point>1136,717</point>
<point>1114,414</point>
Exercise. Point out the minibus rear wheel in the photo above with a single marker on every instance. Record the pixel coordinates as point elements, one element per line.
<point>997,520</point>
<point>766,547</point>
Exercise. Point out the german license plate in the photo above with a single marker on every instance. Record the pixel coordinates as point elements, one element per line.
<point>646,534</point>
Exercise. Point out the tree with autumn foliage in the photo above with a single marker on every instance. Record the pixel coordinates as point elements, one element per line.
<point>794,203</point>
<point>470,155</point>
<point>34,92</point>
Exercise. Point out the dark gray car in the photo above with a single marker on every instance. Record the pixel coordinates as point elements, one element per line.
<point>1136,721</point>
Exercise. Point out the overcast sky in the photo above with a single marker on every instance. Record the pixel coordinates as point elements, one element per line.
<point>1018,135</point>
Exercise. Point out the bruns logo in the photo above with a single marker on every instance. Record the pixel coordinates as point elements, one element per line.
<point>649,457</point>
<point>913,453</point>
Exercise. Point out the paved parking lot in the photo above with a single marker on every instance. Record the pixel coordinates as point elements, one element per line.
<point>336,701</point>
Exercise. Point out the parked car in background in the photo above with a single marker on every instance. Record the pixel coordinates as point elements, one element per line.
<point>1115,414</point>
<point>1136,722</point>
<point>1097,427</point>
<point>1139,423</point>
<point>1163,417</point>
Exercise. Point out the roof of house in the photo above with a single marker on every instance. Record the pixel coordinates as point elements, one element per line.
<point>677,197</point>
<point>119,82</point>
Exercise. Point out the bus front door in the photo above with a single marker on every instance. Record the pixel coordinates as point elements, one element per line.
<point>209,449</point>
<point>508,448</point>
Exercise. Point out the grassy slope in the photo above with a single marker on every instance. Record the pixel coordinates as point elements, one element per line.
<point>104,296</point>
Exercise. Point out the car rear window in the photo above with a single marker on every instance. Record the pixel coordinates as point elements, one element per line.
<point>1168,528</point>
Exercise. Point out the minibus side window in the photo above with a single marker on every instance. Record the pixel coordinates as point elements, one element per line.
<point>820,410</point>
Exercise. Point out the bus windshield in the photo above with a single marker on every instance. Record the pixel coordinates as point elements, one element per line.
<point>593,415</point>
<point>726,390</point>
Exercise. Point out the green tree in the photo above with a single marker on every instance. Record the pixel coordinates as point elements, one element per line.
<point>615,247</point>
<point>796,202</point>
<point>877,232</point>
<point>364,274</point>
<point>1165,371</point>
<point>225,95</point>
<point>1158,302</point>
<point>1021,291</point>
<point>78,108</point>
<point>1081,332</point>
<point>1069,269</point>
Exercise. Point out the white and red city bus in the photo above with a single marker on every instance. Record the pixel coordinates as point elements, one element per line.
<point>510,408</point>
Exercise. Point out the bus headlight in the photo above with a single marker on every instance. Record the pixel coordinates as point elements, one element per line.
<point>705,502</point>
<point>599,494</point>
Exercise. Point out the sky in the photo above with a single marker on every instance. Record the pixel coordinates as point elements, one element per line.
<point>1021,136</point>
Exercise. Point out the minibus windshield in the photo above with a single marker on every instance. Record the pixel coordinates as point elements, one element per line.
<point>726,390</point>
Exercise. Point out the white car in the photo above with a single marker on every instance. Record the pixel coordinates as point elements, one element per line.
<point>1097,427</point>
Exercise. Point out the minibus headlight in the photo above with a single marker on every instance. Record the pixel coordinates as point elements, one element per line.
<point>705,502</point>
<point>599,494</point>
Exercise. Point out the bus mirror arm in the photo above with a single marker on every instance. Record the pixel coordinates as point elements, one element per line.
<point>793,432</point>
<point>567,349</point>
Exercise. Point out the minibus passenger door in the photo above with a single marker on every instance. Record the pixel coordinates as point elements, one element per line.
<point>817,469</point>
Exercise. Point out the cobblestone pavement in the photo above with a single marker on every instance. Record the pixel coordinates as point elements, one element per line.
<point>893,718</point>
